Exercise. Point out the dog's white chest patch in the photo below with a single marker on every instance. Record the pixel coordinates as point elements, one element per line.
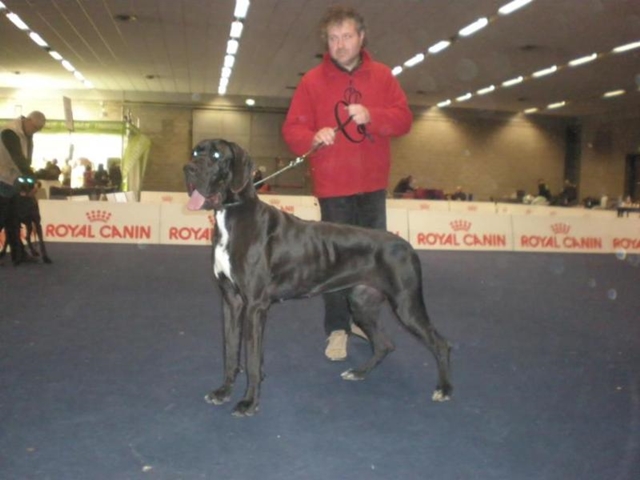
<point>221,260</point>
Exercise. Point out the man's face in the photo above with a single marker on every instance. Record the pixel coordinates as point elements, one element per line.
<point>30,127</point>
<point>344,43</point>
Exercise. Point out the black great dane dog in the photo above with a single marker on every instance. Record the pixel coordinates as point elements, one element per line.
<point>262,255</point>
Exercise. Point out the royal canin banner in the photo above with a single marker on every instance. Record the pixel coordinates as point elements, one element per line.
<point>459,231</point>
<point>100,222</point>
<point>169,222</point>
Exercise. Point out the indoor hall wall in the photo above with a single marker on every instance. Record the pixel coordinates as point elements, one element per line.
<point>489,154</point>
<point>606,142</point>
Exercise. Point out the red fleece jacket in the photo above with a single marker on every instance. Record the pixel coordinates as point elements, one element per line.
<point>347,168</point>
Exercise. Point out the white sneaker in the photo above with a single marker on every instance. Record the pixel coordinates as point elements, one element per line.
<point>336,350</point>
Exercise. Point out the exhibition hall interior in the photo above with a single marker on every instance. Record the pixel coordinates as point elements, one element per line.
<point>516,184</point>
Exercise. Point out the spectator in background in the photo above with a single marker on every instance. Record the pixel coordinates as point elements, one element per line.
<point>458,194</point>
<point>404,186</point>
<point>88,177</point>
<point>568,196</point>
<point>101,177</point>
<point>115,175</point>
<point>543,190</point>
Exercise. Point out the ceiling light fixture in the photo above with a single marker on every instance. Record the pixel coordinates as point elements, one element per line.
<point>55,55</point>
<point>67,65</point>
<point>556,105</point>
<point>416,59</point>
<point>232,47</point>
<point>17,21</point>
<point>446,103</point>
<point>513,81</point>
<point>396,70</point>
<point>250,101</point>
<point>229,60</point>
<point>464,97</point>
<point>583,60</point>
<point>614,93</point>
<point>236,29</point>
<point>545,71</point>
<point>484,91</point>
<point>512,6</point>
<point>438,47</point>
<point>531,110</point>
<point>37,39</point>
<point>242,7</point>
<point>626,48</point>
<point>2,6</point>
<point>474,27</point>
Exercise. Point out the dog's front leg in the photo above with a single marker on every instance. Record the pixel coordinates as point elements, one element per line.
<point>232,309</point>
<point>253,332</point>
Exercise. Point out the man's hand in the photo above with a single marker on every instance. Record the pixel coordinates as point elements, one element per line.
<point>325,136</point>
<point>358,113</point>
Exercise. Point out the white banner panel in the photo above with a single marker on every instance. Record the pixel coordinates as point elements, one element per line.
<point>411,204</point>
<point>625,235</point>
<point>302,206</point>
<point>100,222</point>
<point>459,231</point>
<point>398,222</point>
<point>164,197</point>
<point>472,207</point>
<point>179,226</point>
<point>562,234</point>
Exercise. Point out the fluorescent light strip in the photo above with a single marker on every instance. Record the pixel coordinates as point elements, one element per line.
<point>556,105</point>
<point>531,110</point>
<point>242,7</point>
<point>513,81</point>
<point>229,60</point>
<point>583,60</point>
<point>446,103</point>
<point>545,71</point>
<point>512,6</point>
<point>37,39</point>
<point>474,27</point>
<point>626,48</point>
<point>614,93</point>
<point>232,47</point>
<point>484,91</point>
<point>2,6</point>
<point>55,55</point>
<point>464,97</point>
<point>414,60</point>
<point>396,70</point>
<point>236,29</point>
<point>226,72</point>
<point>438,47</point>
<point>67,66</point>
<point>17,21</point>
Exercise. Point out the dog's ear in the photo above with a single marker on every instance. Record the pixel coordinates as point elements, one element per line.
<point>241,167</point>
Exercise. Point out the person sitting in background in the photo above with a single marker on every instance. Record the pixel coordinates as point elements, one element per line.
<point>101,177</point>
<point>404,186</point>
<point>458,194</point>
<point>568,196</point>
<point>543,190</point>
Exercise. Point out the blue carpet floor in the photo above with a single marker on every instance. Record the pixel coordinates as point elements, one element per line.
<point>106,355</point>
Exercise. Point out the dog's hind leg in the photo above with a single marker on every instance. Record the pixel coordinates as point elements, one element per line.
<point>232,308</point>
<point>253,333</point>
<point>410,309</point>
<point>365,303</point>
<point>43,249</point>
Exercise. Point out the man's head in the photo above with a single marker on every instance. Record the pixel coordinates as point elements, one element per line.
<point>343,31</point>
<point>34,122</point>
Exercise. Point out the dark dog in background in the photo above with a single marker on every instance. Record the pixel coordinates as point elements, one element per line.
<point>262,255</point>
<point>26,211</point>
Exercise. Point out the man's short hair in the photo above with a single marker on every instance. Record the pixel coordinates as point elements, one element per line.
<point>337,14</point>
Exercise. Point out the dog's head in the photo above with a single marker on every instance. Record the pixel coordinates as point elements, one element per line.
<point>218,174</point>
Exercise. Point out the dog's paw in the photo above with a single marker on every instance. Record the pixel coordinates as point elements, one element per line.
<point>245,408</point>
<point>218,397</point>
<point>353,374</point>
<point>440,396</point>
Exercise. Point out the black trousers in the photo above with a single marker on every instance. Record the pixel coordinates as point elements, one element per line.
<point>364,210</point>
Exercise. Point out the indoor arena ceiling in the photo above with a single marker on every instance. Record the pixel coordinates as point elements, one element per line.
<point>173,50</point>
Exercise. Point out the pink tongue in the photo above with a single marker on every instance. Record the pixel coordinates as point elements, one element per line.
<point>195,201</point>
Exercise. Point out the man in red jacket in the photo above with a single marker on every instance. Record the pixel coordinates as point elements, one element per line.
<point>350,171</point>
